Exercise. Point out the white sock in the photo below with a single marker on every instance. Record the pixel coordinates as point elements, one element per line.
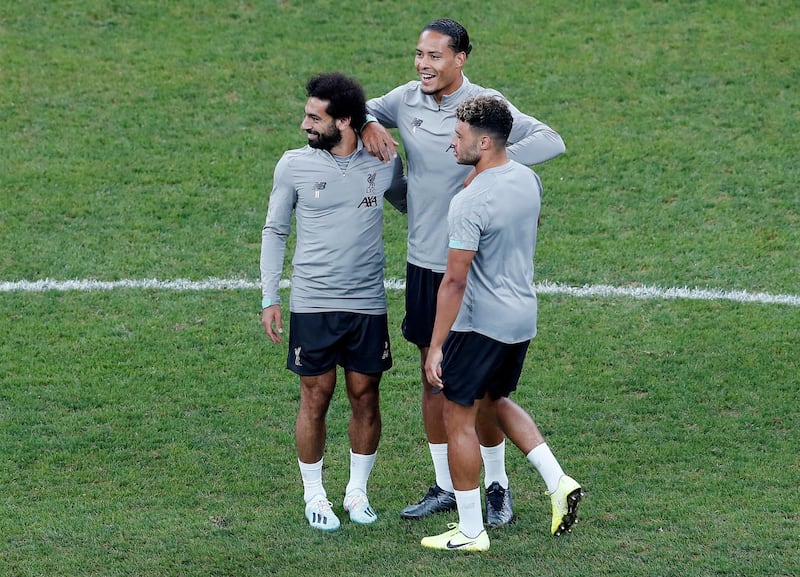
<point>360,469</point>
<point>494,465</point>
<point>543,460</point>
<point>440,466</point>
<point>470,515</point>
<point>312,480</point>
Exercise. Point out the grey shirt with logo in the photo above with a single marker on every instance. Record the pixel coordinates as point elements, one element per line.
<point>496,216</point>
<point>434,177</point>
<point>338,259</point>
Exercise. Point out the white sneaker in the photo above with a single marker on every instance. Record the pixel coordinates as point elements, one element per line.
<point>357,504</point>
<point>320,514</point>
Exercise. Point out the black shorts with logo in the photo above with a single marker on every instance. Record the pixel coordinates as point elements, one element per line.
<point>475,365</point>
<point>355,341</point>
<point>422,286</point>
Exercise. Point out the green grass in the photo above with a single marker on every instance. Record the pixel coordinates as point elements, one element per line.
<point>151,432</point>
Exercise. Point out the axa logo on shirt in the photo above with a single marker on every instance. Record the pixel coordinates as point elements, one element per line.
<point>368,202</point>
<point>371,199</point>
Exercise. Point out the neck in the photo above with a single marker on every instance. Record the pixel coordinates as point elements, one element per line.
<point>347,145</point>
<point>449,90</point>
<point>491,160</point>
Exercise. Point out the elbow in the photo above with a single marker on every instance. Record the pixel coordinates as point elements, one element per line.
<point>454,285</point>
<point>561,148</point>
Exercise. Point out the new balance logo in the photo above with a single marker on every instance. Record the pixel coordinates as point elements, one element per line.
<point>297,362</point>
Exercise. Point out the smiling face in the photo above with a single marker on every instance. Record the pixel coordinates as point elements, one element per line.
<point>438,64</point>
<point>320,126</point>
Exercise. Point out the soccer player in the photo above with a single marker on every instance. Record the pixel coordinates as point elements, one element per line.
<point>486,314</point>
<point>424,112</point>
<point>338,300</point>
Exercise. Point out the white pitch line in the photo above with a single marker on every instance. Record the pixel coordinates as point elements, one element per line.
<point>543,287</point>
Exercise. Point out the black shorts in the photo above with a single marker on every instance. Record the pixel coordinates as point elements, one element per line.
<point>422,285</point>
<point>475,365</point>
<point>355,341</point>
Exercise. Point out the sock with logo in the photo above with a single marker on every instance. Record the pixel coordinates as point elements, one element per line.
<point>440,466</point>
<point>494,465</point>
<point>312,480</point>
<point>470,515</point>
<point>541,457</point>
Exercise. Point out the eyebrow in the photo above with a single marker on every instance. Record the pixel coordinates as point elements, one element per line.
<point>432,52</point>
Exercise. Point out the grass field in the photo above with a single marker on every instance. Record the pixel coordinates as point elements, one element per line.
<point>150,432</point>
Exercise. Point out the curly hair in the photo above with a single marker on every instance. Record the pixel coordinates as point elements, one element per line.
<point>345,96</point>
<point>459,38</point>
<point>489,114</point>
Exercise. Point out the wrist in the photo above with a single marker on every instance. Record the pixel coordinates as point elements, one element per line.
<point>369,119</point>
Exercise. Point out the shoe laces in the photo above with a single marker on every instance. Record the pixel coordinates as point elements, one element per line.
<point>496,498</point>
<point>322,506</point>
<point>356,500</point>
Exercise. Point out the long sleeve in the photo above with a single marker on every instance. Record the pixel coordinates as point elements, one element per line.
<point>531,141</point>
<point>275,232</point>
<point>397,193</point>
<point>385,108</point>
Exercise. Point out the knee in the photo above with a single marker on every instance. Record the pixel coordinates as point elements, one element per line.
<point>365,398</point>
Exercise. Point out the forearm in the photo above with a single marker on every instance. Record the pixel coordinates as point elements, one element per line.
<point>537,147</point>
<point>273,252</point>
<point>448,303</point>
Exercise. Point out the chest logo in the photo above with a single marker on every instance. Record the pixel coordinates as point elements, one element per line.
<point>371,199</point>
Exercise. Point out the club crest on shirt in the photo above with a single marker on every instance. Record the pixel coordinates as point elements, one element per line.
<point>416,123</point>
<point>371,199</point>
<point>319,186</point>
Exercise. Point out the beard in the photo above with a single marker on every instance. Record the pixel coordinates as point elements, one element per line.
<point>469,157</point>
<point>325,140</point>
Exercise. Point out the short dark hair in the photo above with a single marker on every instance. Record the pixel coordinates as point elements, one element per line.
<point>489,114</point>
<point>459,37</point>
<point>345,96</point>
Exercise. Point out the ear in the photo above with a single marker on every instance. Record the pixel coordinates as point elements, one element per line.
<point>342,123</point>
<point>461,58</point>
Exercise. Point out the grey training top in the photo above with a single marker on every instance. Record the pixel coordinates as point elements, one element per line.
<point>496,216</point>
<point>338,261</point>
<point>434,177</point>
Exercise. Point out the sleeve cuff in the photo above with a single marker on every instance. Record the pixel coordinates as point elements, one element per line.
<point>369,119</point>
